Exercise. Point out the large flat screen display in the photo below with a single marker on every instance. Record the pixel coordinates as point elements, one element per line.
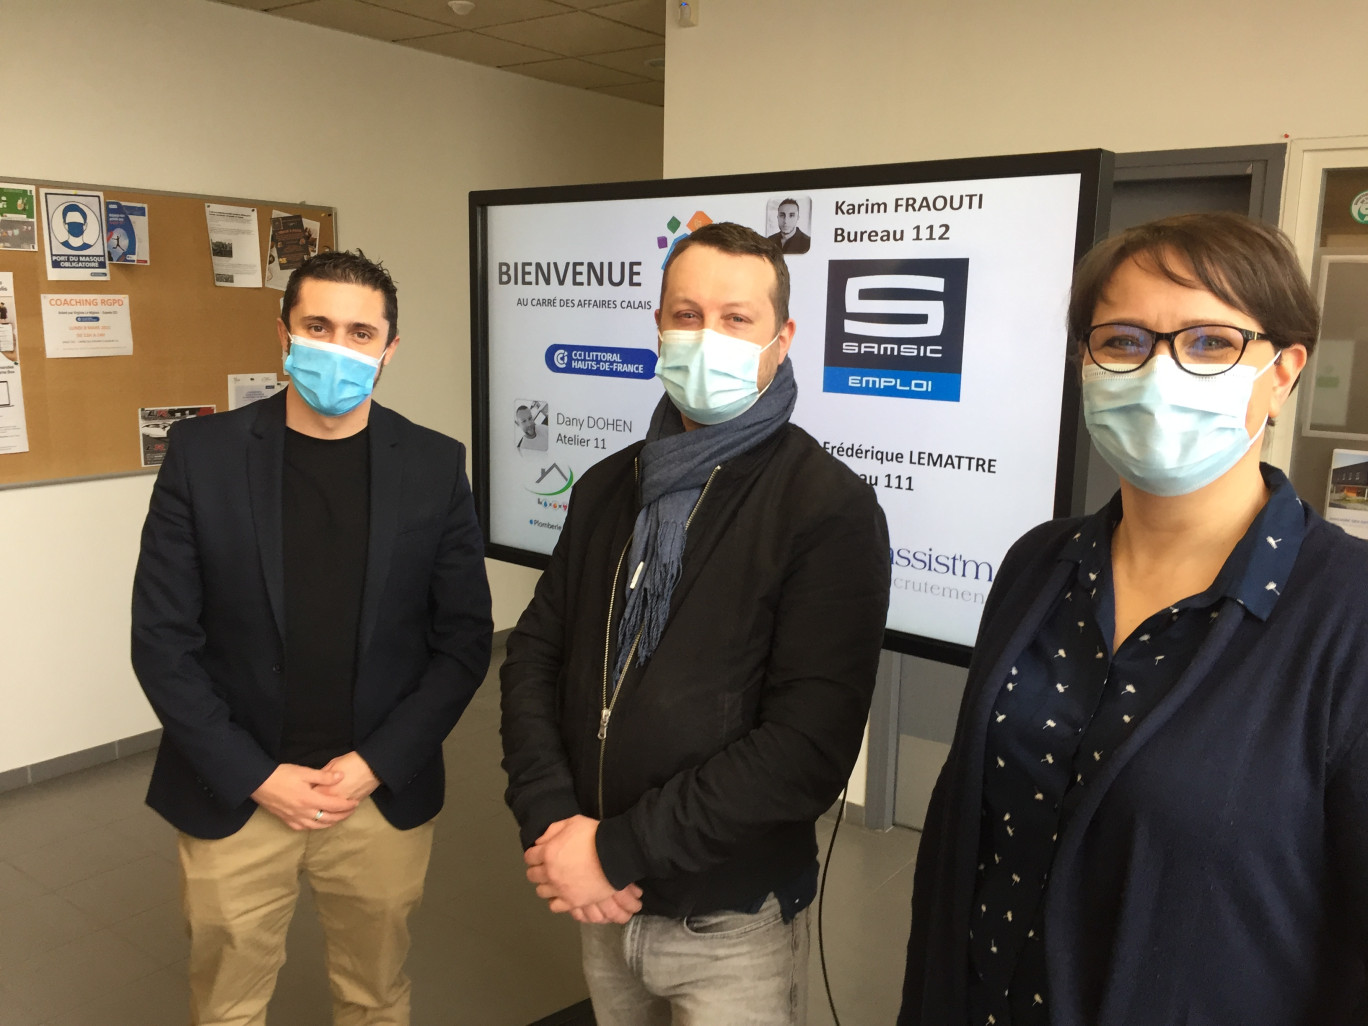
<point>930,351</point>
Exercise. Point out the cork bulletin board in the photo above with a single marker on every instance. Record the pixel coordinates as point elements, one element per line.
<point>188,336</point>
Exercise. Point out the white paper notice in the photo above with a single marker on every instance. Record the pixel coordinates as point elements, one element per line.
<point>234,245</point>
<point>13,427</point>
<point>74,235</point>
<point>87,325</point>
<point>9,318</point>
<point>248,388</point>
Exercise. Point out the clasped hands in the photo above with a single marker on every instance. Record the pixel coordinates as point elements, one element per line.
<point>565,867</point>
<point>296,795</point>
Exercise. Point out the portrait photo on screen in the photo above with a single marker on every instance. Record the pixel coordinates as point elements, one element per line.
<point>530,420</point>
<point>788,221</point>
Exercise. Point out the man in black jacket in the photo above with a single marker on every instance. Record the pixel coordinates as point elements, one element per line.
<point>310,618</point>
<point>688,689</point>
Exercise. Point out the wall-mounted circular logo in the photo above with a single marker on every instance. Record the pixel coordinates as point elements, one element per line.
<point>1359,207</point>
<point>561,357</point>
<point>76,227</point>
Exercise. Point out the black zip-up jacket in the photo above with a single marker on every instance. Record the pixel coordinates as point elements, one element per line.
<point>720,753</point>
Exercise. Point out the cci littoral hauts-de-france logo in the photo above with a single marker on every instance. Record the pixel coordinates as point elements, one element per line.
<point>896,328</point>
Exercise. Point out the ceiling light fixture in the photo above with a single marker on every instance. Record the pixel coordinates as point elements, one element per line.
<point>461,7</point>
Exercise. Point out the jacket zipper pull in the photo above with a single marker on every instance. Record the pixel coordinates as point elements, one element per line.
<point>603,724</point>
<point>636,575</point>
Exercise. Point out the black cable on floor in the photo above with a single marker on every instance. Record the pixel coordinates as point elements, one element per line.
<point>821,898</point>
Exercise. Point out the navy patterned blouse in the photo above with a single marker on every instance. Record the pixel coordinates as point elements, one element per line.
<point>1066,704</point>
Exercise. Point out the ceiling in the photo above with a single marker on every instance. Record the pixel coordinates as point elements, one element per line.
<point>599,45</point>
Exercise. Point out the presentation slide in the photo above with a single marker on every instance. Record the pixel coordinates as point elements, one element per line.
<point>930,351</point>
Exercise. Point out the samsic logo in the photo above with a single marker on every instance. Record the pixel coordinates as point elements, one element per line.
<point>896,328</point>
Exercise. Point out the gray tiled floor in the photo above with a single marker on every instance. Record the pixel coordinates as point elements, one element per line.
<point>91,932</point>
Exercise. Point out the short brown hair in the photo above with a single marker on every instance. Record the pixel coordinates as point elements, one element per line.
<point>1243,262</point>
<point>742,241</point>
<point>351,269</point>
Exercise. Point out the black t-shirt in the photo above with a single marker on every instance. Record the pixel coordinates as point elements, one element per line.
<point>326,506</point>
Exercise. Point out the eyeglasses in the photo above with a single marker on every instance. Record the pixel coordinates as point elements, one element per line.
<point>1205,350</point>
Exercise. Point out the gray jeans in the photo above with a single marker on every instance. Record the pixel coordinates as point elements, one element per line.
<point>720,969</point>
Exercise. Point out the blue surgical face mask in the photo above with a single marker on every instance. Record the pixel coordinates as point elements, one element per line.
<point>332,379</point>
<point>709,376</point>
<point>1166,431</point>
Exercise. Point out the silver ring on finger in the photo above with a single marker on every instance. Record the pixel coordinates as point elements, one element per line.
<point>318,816</point>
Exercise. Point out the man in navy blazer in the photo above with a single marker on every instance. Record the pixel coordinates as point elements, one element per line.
<point>310,619</point>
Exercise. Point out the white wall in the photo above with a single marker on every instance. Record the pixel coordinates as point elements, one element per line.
<point>393,138</point>
<point>767,85</point>
<point>776,84</point>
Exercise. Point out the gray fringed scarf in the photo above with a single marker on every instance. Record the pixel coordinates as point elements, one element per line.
<point>675,465</point>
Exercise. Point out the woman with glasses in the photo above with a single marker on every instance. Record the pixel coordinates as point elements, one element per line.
<point>1155,809</point>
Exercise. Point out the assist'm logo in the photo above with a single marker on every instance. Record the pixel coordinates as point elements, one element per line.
<point>896,328</point>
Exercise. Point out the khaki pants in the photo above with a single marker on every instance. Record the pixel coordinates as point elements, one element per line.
<point>239,895</point>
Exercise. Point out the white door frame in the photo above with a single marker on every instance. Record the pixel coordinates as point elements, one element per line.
<point>1307,162</point>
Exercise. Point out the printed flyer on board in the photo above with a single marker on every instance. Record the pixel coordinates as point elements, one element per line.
<point>18,217</point>
<point>74,235</point>
<point>128,239</point>
<point>234,245</point>
<point>293,240</point>
<point>244,389</point>
<point>929,357</point>
<point>1346,499</point>
<point>13,426</point>
<point>88,324</point>
<point>154,423</point>
<point>9,314</point>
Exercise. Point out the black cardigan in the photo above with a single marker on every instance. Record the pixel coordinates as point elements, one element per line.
<point>743,727</point>
<point>1216,872</point>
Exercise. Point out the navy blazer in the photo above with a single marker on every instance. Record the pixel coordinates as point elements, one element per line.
<point>1216,871</point>
<point>208,615</point>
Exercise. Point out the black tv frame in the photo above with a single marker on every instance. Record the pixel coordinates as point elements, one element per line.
<point>1094,167</point>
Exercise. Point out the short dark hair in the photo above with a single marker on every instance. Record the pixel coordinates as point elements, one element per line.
<point>790,199</point>
<point>1243,262</point>
<point>350,268</point>
<point>741,241</point>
